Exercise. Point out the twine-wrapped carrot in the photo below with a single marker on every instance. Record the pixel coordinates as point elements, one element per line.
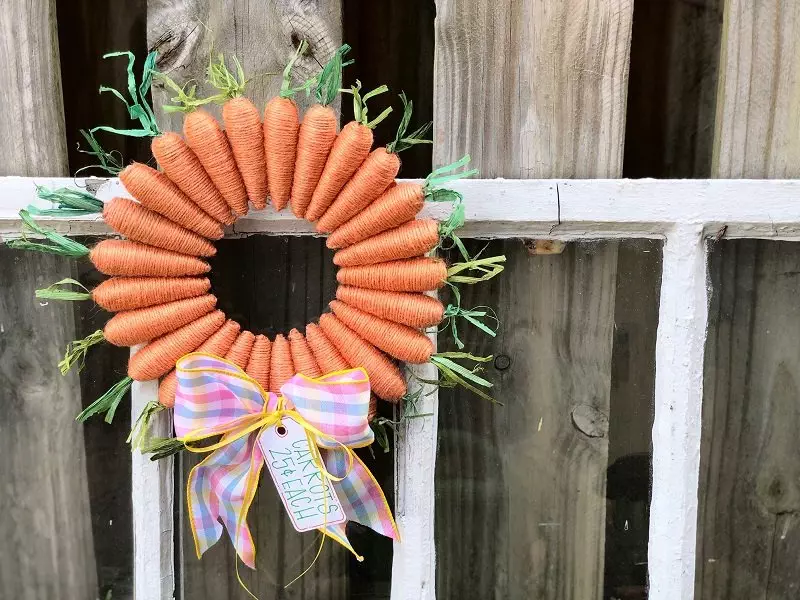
<point>126,293</point>
<point>409,275</point>
<point>385,378</point>
<point>399,204</point>
<point>184,169</point>
<point>351,147</point>
<point>218,345</point>
<point>412,309</point>
<point>302,356</point>
<point>140,325</point>
<point>281,124</point>
<point>414,238</point>
<point>155,191</point>
<point>327,356</point>
<point>160,355</point>
<point>400,341</point>
<point>239,354</point>
<point>139,224</point>
<point>122,257</point>
<point>206,138</point>
<point>374,175</point>
<point>317,134</point>
<point>258,365</point>
<point>242,126</point>
<point>281,367</point>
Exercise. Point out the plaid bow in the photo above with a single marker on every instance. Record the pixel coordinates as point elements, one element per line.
<point>215,397</point>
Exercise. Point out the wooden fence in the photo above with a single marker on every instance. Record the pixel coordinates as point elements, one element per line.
<point>532,89</point>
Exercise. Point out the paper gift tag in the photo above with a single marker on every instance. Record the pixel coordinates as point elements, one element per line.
<point>306,493</point>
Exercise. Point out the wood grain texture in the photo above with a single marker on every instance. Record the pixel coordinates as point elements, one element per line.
<point>757,131</point>
<point>533,88</point>
<point>263,35</point>
<point>672,88</point>
<point>520,488</point>
<point>47,531</point>
<point>294,281</point>
<point>749,534</point>
<point>32,119</point>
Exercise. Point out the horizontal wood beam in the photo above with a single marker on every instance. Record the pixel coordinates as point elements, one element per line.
<point>552,208</point>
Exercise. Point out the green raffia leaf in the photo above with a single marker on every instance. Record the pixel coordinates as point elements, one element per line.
<point>330,78</point>
<point>56,292</point>
<point>360,105</point>
<point>378,427</point>
<point>229,84</point>
<point>53,243</point>
<point>287,91</point>
<point>110,162</point>
<point>475,316</point>
<point>401,140</point>
<point>107,403</point>
<point>140,432</point>
<point>162,447</point>
<point>446,174</point>
<point>76,352</point>
<point>486,267</point>
<point>455,374</point>
<point>67,202</point>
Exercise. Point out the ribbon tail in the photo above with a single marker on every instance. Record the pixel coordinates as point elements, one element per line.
<point>221,489</point>
<point>361,496</point>
<point>338,533</point>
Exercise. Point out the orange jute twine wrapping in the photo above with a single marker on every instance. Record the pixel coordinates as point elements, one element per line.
<point>246,137</point>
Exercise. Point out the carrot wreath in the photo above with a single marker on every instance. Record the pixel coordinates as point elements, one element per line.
<point>281,124</point>
<point>243,128</point>
<point>374,175</point>
<point>317,134</point>
<point>351,147</point>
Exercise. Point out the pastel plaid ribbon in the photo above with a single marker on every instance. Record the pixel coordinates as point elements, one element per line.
<point>215,397</point>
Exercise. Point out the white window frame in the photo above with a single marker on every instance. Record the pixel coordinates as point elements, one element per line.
<point>685,214</point>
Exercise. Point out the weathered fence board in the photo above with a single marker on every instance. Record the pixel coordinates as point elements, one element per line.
<point>48,550</point>
<point>532,89</point>
<point>749,535</point>
<point>758,105</point>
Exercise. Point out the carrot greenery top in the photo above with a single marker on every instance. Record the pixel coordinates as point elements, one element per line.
<point>67,202</point>
<point>53,242</point>
<point>230,85</point>
<point>360,105</point>
<point>402,141</point>
<point>329,81</point>
<point>287,91</point>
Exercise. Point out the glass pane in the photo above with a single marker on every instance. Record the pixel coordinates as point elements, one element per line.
<point>545,496</point>
<point>749,514</point>
<point>66,499</point>
<point>271,285</point>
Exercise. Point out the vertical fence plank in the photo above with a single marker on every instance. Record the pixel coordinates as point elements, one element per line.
<point>47,550</point>
<point>532,89</point>
<point>757,130</point>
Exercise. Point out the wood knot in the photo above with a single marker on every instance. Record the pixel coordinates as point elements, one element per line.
<point>590,421</point>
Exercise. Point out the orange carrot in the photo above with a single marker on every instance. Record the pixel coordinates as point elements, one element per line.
<point>184,169</point>
<point>206,138</point>
<point>246,136</point>
<point>414,310</point>
<point>325,353</point>
<point>314,142</point>
<point>414,238</point>
<point>409,275</point>
<point>122,257</point>
<point>375,174</point>
<point>126,293</point>
<point>139,224</point>
<point>160,355</point>
<point>302,356</point>
<point>349,151</point>
<point>218,344</point>
<point>140,325</point>
<point>393,208</point>
<point>281,124</point>
<point>385,378</point>
<point>239,354</point>
<point>281,367</point>
<point>258,365</point>
<point>368,182</point>
<point>155,191</point>
<point>399,341</point>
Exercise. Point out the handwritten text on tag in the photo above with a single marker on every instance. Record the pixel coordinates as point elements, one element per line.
<point>306,493</point>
